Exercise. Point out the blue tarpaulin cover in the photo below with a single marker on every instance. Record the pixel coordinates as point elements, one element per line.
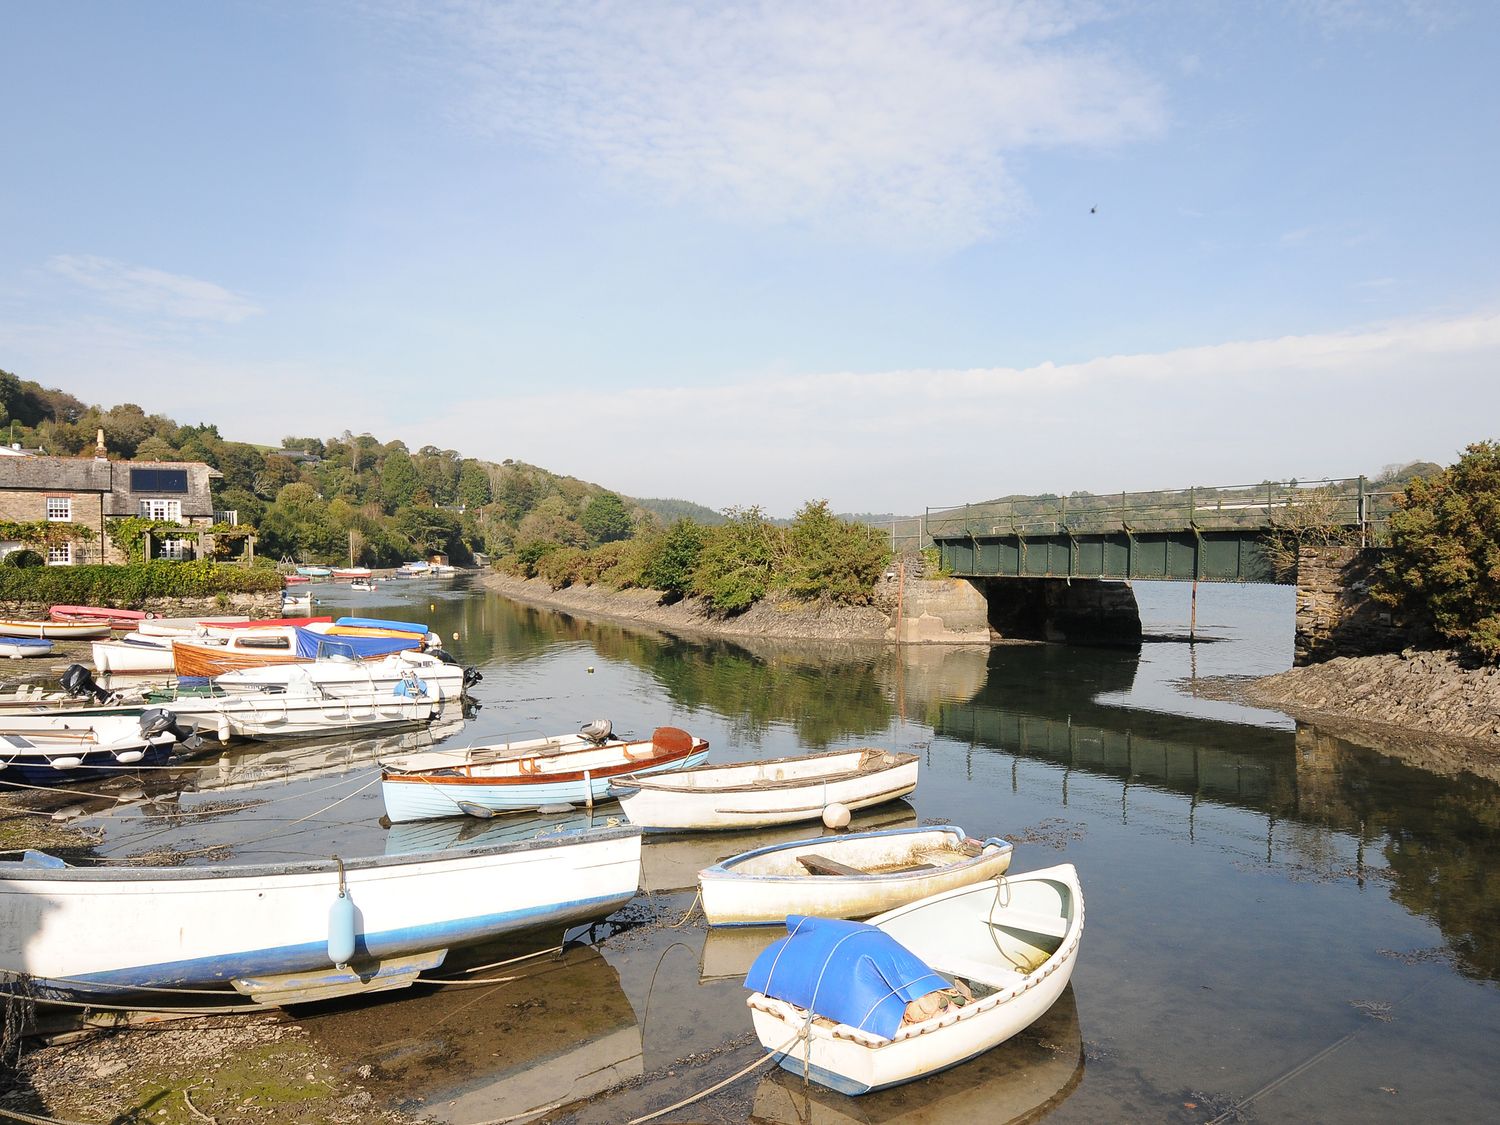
<point>310,644</point>
<point>845,971</point>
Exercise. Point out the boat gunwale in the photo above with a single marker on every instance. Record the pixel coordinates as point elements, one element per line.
<point>17,872</point>
<point>437,777</point>
<point>724,868</point>
<point>672,783</point>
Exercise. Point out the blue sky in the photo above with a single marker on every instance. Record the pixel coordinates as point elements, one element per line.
<point>888,254</point>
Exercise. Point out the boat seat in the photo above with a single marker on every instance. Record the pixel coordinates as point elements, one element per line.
<point>1028,921</point>
<point>821,865</point>
<point>976,971</point>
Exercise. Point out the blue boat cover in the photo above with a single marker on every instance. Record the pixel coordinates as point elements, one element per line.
<point>377,623</point>
<point>845,971</point>
<point>310,645</point>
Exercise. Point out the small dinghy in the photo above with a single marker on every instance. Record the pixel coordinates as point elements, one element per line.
<point>846,876</point>
<point>17,648</point>
<point>962,971</point>
<point>56,630</point>
<point>522,776</point>
<point>775,791</point>
<point>133,654</point>
<point>61,749</point>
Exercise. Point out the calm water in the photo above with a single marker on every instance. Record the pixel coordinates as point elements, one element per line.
<point>1273,914</point>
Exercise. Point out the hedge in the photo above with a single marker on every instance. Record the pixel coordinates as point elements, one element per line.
<point>126,587</point>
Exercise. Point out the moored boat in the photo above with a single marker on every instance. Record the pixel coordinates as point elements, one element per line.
<point>852,876</point>
<point>350,572</point>
<point>133,654</point>
<point>119,618</point>
<point>521,776</point>
<point>424,674</point>
<point>315,571</point>
<point>62,749</point>
<point>280,933</point>
<point>16,648</point>
<point>54,630</point>
<point>1014,941</point>
<point>773,791</point>
<point>254,645</point>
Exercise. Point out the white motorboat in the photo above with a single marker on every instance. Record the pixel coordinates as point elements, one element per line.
<point>61,749</point>
<point>303,931</point>
<point>1013,940</point>
<point>424,673</point>
<point>852,876</point>
<point>774,791</point>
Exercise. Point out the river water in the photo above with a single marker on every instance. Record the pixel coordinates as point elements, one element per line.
<point>1282,925</point>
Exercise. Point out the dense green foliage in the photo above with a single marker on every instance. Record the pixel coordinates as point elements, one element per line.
<point>731,565</point>
<point>1443,569</point>
<point>128,587</point>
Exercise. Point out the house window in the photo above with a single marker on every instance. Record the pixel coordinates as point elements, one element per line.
<point>59,509</point>
<point>162,509</point>
<point>176,548</point>
<point>60,556</point>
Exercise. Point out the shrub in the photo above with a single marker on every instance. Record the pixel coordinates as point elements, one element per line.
<point>1443,568</point>
<point>129,586</point>
<point>830,558</point>
<point>668,558</point>
<point>735,567</point>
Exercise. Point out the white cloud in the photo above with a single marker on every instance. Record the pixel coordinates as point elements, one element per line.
<point>866,118</point>
<point>153,292</point>
<point>1333,404</point>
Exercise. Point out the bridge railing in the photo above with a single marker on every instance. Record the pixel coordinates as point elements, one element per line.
<point>1344,502</point>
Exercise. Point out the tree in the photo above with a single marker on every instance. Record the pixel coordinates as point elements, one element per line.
<point>671,558</point>
<point>1443,568</point>
<point>827,557</point>
<point>398,480</point>
<point>473,486</point>
<point>736,564</point>
<point>605,518</point>
<point>155,449</point>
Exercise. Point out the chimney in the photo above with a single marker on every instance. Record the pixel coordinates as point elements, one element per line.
<point>99,453</point>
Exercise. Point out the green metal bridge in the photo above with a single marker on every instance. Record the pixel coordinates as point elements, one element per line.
<point>1220,534</point>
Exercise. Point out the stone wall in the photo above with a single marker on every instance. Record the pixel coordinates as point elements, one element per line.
<point>1335,614</point>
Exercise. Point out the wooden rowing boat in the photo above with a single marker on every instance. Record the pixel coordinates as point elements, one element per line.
<point>852,876</point>
<point>54,630</point>
<point>514,777</point>
<point>775,791</point>
<point>1014,941</point>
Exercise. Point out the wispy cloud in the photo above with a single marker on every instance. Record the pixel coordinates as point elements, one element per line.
<point>869,117</point>
<point>1304,406</point>
<point>143,290</point>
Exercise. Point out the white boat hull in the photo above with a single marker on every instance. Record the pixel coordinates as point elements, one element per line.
<point>333,677</point>
<point>131,658</point>
<point>690,805</point>
<point>765,885</point>
<point>267,928</point>
<point>950,932</point>
<point>291,715</point>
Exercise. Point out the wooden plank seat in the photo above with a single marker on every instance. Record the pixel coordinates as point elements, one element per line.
<point>1052,925</point>
<point>822,865</point>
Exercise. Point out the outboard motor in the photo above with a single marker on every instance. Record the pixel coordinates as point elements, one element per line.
<point>158,720</point>
<point>77,682</point>
<point>598,731</point>
<point>472,676</point>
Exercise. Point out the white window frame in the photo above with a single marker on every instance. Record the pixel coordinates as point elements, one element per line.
<point>61,555</point>
<point>59,509</point>
<point>176,548</point>
<point>161,509</point>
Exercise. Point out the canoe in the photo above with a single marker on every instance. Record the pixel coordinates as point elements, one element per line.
<point>515,777</point>
<point>54,630</point>
<point>61,750</point>
<point>282,933</point>
<point>15,648</point>
<point>118,617</point>
<point>846,876</point>
<point>133,654</point>
<point>774,791</point>
<point>1014,941</point>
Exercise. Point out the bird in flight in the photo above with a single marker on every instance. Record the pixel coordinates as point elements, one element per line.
<point>1094,210</point>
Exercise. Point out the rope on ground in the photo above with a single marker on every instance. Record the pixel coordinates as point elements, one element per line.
<point>33,1119</point>
<point>715,1088</point>
<point>677,925</point>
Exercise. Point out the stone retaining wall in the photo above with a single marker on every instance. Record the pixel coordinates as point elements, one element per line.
<point>1335,614</point>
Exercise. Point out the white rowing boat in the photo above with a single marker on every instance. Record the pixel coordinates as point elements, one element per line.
<point>1014,941</point>
<point>283,933</point>
<point>851,876</point>
<point>775,791</point>
<point>521,776</point>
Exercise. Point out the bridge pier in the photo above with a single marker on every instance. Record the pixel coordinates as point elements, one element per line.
<point>1087,611</point>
